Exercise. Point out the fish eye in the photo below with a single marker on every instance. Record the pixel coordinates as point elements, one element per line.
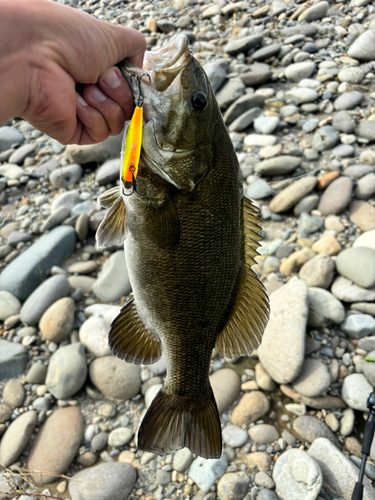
<point>199,101</point>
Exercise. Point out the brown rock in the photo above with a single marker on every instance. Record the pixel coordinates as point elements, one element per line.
<point>226,387</point>
<point>14,393</point>
<point>289,196</point>
<point>260,459</point>
<point>327,245</point>
<point>251,407</point>
<point>353,446</point>
<point>87,459</point>
<point>327,178</point>
<point>336,197</point>
<point>152,25</point>
<point>362,214</point>
<point>318,271</point>
<point>5,413</point>
<point>115,378</point>
<point>295,261</point>
<point>57,322</point>
<point>56,445</point>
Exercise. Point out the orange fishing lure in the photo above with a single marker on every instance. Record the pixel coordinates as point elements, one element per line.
<point>132,150</point>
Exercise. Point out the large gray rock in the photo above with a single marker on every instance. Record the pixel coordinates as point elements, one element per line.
<point>67,371</point>
<point>297,476</point>
<point>27,271</point>
<point>347,291</point>
<point>339,473</point>
<point>106,481</point>
<point>95,153</point>
<point>115,378</point>
<point>324,308</point>
<point>54,288</point>
<point>282,356</point>
<point>113,280</point>
<point>9,137</point>
<point>336,197</point>
<point>310,428</point>
<point>16,437</point>
<point>363,48</point>
<point>13,359</point>
<point>355,391</point>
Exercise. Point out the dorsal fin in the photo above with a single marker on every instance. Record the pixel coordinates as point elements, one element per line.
<point>130,340</point>
<point>108,198</point>
<point>113,228</point>
<point>248,318</point>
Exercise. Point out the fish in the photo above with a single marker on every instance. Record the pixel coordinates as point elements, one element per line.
<point>190,239</point>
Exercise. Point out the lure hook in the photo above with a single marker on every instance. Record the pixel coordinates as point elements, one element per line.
<point>141,99</point>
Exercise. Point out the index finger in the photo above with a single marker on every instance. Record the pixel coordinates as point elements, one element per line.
<point>131,45</point>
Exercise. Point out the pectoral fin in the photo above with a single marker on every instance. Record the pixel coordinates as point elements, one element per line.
<point>248,318</point>
<point>109,197</point>
<point>113,228</point>
<point>130,340</point>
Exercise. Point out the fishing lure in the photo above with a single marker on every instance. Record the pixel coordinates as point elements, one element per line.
<point>132,151</point>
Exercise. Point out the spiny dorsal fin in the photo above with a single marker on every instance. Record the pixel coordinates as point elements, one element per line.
<point>248,318</point>
<point>109,197</point>
<point>113,228</point>
<point>130,340</point>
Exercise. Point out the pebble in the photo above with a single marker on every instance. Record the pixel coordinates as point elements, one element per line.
<point>324,308</point>
<point>282,356</point>
<point>13,359</point>
<point>357,326</point>
<point>57,321</point>
<point>342,121</point>
<point>234,436</point>
<point>6,413</point>
<point>241,105</point>
<point>266,124</point>
<point>289,196</point>
<point>226,385</point>
<point>308,224</point>
<point>51,290</point>
<point>295,261</point>
<point>366,130</point>
<point>358,265</point>
<point>25,273</point>
<point>348,100</point>
<point>346,291</point>
<point>67,371</point>
<point>66,176</point>
<point>182,459</point>
<point>298,71</point>
<point>263,433</point>
<point>9,137</point>
<point>14,393</point>
<point>336,197</point>
<point>314,379</point>
<point>339,473</point>
<point>327,244</point>
<point>258,190</point>
<point>297,476</point>
<point>355,391</point>
<point>108,373</point>
<point>120,436</point>
<point>310,428</point>
<point>251,407</point>
<point>318,271</point>
<point>94,336</point>
<point>106,481</point>
<point>262,378</point>
<point>277,165</point>
<point>233,486</point>
<point>365,187</point>
<point>16,437</point>
<point>9,304</point>
<point>353,446</point>
<point>363,47</point>
<point>113,280</point>
<point>204,472</point>
<point>99,441</point>
<point>368,368</point>
<point>108,172</point>
<point>362,214</point>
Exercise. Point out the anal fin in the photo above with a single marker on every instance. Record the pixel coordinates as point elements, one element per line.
<point>248,318</point>
<point>130,340</point>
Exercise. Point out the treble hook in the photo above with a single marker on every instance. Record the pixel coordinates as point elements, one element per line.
<point>141,99</point>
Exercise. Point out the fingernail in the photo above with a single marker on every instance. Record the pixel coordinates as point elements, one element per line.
<point>97,95</point>
<point>81,100</point>
<point>112,80</point>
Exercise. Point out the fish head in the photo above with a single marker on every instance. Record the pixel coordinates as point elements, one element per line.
<point>178,105</point>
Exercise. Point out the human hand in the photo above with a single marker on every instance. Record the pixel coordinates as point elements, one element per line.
<point>45,49</point>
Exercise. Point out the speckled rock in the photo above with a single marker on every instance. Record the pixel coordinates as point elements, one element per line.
<point>233,486</point>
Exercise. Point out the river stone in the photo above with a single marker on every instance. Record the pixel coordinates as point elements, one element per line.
<point>251,407</point>
<point>318,271</point>
<point>266,124</point>
<point>278,165</point>
<point>256,74</point>
<point>108,172</point>
<point>315,12</point>
<point>94,336</point>
<point>302,95</point>
<point>233,486</point>
<point>343,122</point>
<point>366,239</point>
<point>182,459</point>
<point>308,224</point>
<point>9,304</point>
<point>241,105</point>
<point>95,153</point>
<point>11,171</point>
<point>36,373</point>
<point>263,433</point>
<point>266,52</point>
<point>298,71</point>
<point>339,473</point>
<point>204,472</point>
<point>348,100</point>
<point>366,130</point>
<point>226,386</point>
<point>366,187</point>
<point>368,368</point>
<point>358,325</point>
<point>24,274</point>
<point>355,391</point>
<point>67,371</point>
<point>113,280</point>
<point>314,379</point>
<point>347,291</point>
<point>362,214</point>
<point>258,190</point>
<point>234,47</point>
<point>67,200</point>
<point>336,197</point>
<point>216,74</point>
<point>351,74</point>
<point>56,444</point>
<point>282,356</point>
<point>289,196</point>
<point>16,437</point>
<point>106,481</point>
<point>57,322</point>
<point>66,176</point>
<point>325,138</point>
<point>244,120</point>
<point>120,436</point>
<point>234,436</point>
<point>324,308</point>
<point>116,379</point>
<point>358,265</point>
<point>310,428</point>
<point>13,359</point>
<point>9,137</point>
<point>297,476</point>
<point>14,393</point>
<point>363,47</point>
<point>230,92</point>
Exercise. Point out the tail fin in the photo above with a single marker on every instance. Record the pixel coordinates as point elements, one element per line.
<point>174,422</point>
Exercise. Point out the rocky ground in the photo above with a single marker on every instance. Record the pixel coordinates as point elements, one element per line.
<point>296,84</point>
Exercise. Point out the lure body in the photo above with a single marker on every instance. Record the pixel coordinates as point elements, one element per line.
<point>132,150</point>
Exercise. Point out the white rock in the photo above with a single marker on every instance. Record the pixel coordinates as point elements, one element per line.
<point>94,336</point>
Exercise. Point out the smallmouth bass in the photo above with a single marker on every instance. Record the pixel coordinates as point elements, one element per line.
<point>190,241</point>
